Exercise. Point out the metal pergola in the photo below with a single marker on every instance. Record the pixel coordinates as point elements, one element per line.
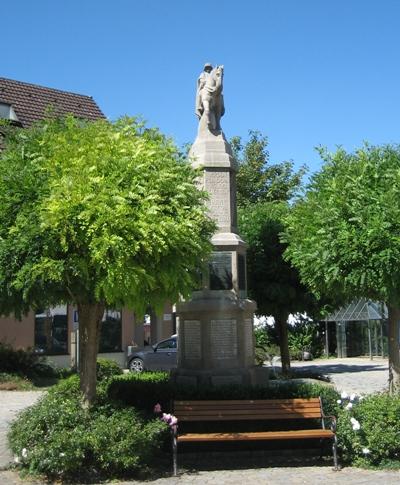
<point>362,310</point>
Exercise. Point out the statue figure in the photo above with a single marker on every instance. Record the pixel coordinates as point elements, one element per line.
<point>209,98</point>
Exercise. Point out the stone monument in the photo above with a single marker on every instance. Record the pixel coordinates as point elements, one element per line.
<point>215,327</point>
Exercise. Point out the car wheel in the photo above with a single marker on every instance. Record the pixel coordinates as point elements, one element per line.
<point>136,365</point>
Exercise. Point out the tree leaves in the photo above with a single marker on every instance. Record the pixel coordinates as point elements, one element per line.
<point>344,236</point>
<point>98,212</point>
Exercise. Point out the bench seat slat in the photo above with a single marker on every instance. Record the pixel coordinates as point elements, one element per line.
<point>247,417</point>
<point>257,436</point>
<point>272,402</point>
<point>205,412</point>
<point>238,406</point>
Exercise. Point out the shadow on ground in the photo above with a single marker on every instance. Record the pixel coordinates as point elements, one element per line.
<point>242,460</point>
<point>340,368</point>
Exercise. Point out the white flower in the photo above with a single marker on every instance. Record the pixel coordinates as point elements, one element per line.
<point>24,453</point>
<point>344,395</point>
<point>353,396</point>
<point>16,459</point>
<point>366,451</point>
<point>355,424</point>
<point>62,454</point>
<point>339,401</point>
<point>348,406</point>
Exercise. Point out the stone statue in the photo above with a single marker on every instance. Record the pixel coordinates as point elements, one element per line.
<point>209,99</point>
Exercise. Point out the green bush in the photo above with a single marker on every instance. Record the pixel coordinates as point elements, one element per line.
<point>142,390</point>
<point>25,363</point>
<point>107,368</point>
<point>58,438</point>
<point>377,442</point>
<point>145,390</point>
<point>304,336</point>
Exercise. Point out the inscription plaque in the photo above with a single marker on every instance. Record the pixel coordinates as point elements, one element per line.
<point>192,340</point>
<point>217,184</point>
<point>224,343</point>
<point>220,268</point>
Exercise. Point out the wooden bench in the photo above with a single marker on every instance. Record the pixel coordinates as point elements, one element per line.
<point>256,410</point>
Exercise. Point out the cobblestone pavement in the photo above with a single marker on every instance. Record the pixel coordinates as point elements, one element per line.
<point>11,402</point>
<point>354,374</point>
<point>262,476</point>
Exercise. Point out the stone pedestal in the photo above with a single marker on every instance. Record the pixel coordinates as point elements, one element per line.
<point>215,327</point>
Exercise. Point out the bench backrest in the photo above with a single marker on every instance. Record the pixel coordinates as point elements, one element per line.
<point>265,409</point>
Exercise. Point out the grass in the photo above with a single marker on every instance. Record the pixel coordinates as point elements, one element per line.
<point>15,382</point>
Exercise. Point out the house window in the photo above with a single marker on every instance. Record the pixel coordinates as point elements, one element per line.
<point>111,332</point>
<point>51,330</point>
<point>7,112</point>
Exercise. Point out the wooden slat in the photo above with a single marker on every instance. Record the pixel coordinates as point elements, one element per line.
<point>314,400</point>
<point>245,406</point>
<point>248,417</point>
<point>265,409</point>
<point>257,410</point>
<point>256,436</point>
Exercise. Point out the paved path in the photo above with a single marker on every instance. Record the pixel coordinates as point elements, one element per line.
<point>11,402</point>
<point>354,374</point>
<point>256,476</point>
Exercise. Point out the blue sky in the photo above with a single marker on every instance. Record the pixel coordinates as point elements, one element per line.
<point>303,72</point>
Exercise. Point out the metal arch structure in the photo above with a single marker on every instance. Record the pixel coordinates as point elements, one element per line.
<point>362,310</point>
<point>359,311</point>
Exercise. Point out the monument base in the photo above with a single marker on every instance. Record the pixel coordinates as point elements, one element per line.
<point>216,340</point>
<point>252,376</point>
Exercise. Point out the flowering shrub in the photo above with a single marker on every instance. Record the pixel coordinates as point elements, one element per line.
<point>369,430</point>
<point>169,419</point>
<point>58,438</point>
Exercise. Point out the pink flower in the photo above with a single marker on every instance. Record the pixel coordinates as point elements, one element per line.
<point>170,419</point>
<point>157,408</point>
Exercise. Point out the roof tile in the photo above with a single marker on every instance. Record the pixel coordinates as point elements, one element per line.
<point>31,102</point>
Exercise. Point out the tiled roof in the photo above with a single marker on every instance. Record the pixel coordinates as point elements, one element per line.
<point>31,101</point>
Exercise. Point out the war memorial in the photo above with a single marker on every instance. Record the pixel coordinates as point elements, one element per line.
<point>216,338</point>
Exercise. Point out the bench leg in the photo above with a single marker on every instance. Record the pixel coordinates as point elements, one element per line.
<point>335,459</point>
<point>175,455</point>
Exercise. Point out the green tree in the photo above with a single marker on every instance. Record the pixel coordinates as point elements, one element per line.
<point>273,282</point>
<point>344,237</point>
<point>97,214</point>
<point>263,192</point>
<point>258,180</point>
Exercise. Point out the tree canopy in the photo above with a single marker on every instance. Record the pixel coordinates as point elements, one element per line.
<point>344,237</point>
<point>264,190</point>
<point>259,180</point>
<point>97,214</point>
<point>273,282</point>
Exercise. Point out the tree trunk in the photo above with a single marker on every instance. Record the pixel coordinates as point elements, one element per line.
<point>282,330</point>
<point>394,356</point>
<point>90,317</point>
